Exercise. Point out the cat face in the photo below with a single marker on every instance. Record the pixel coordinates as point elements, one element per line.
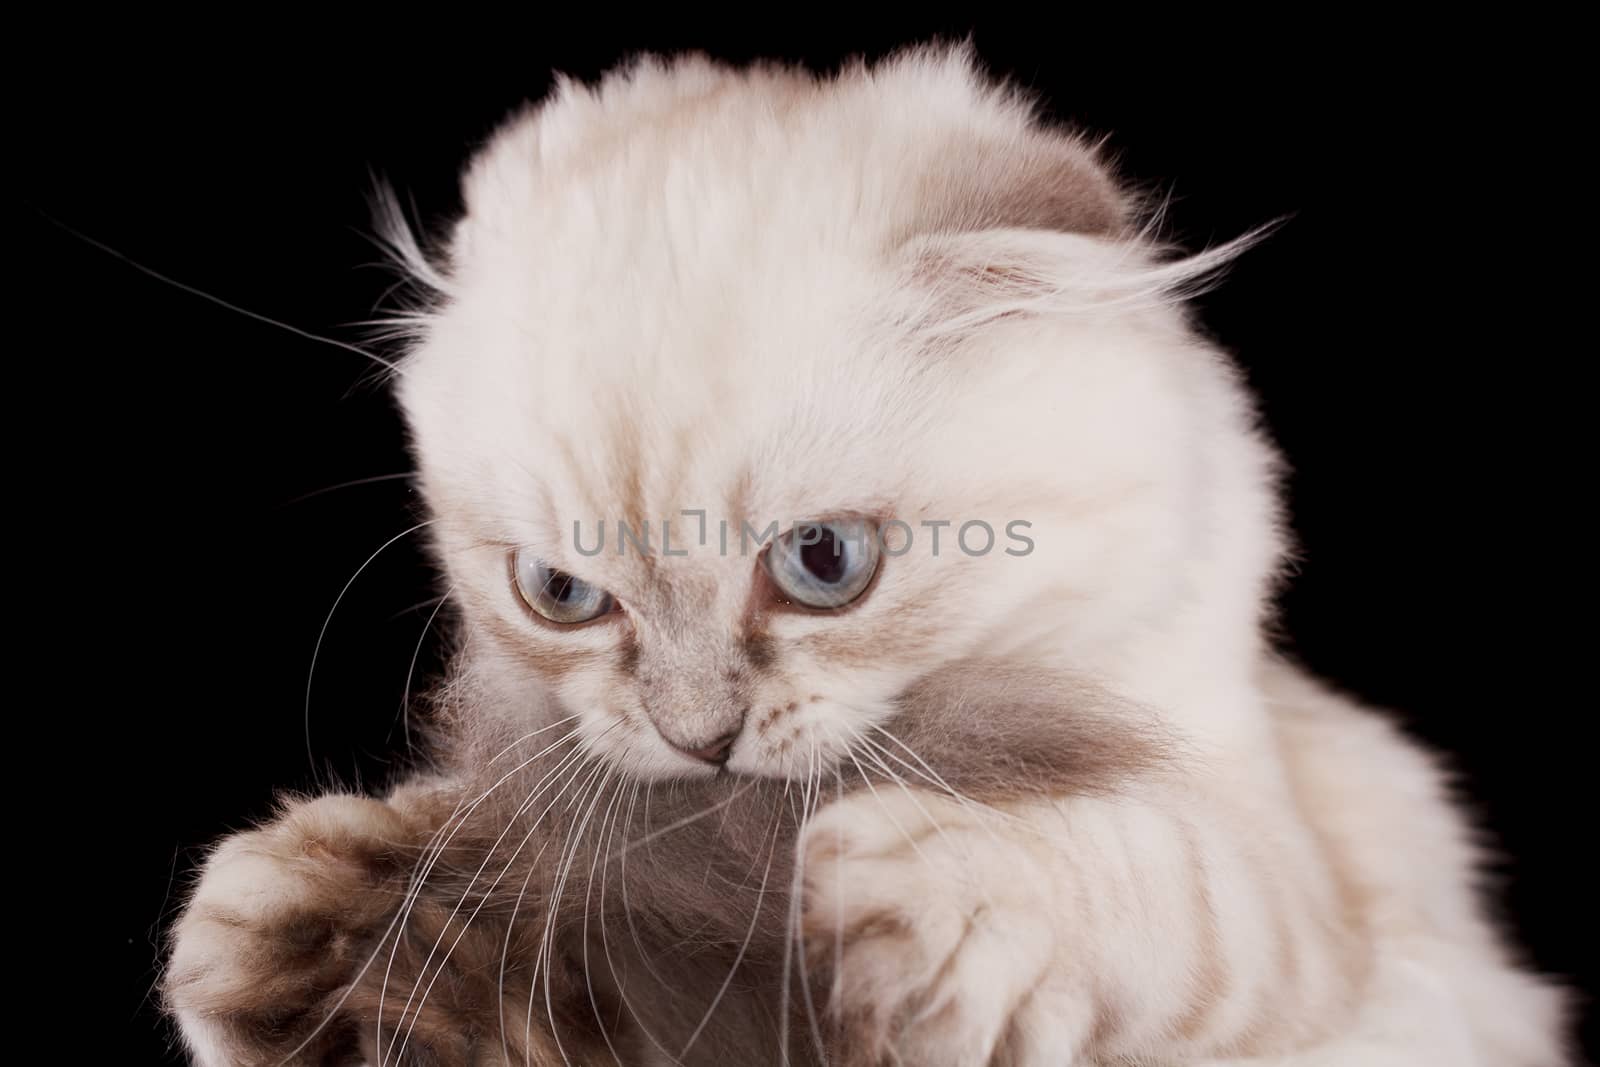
<point>749,401</point>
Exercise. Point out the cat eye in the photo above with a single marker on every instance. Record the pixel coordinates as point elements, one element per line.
<point>824,564</point>
<point>557,595</point>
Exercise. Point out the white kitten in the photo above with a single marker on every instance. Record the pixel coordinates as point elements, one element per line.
<point>873,310</point>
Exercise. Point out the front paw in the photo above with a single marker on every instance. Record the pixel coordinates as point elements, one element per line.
<point>934,924</point>
<point>282,918</point>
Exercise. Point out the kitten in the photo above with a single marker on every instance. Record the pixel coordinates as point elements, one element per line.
<point>735,764</point>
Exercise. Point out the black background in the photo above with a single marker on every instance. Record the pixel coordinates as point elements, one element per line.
<point>1403,330</point>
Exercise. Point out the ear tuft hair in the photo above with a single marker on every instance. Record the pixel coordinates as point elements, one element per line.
<point>407,308</point>
<point>394,235</point>
<point>960,282</point>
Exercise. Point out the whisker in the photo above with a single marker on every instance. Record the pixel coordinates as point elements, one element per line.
<point>405,695</point>
<point>431,850</point>
<point>679,824</point>
<point>488,893</point>
<point>626,820</point>
<point>587,896</point>
<point>429,860</point>
<point>912,841</point>
<point>814,798</point>
<point>548,951</point>
<point>911,794</point>
<point>372,957</point>
<point>929,774</point>
<point>388,365</point>
<point>788,941</point>
<point>544,783</point>
<point>492,760</point>
<point>627,904</point>
<point>410,609</point>
<point>372,480</point>
<point>511,924</point>
<point>755,918</point>
<point>836,990</point>
<point>323,633</point>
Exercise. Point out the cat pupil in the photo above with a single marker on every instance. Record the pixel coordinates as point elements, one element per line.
<point>825,559</point>
<point>561,587</point>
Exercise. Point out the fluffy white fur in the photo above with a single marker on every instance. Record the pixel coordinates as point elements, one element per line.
<point>743,291</point>
<point>715,279</point>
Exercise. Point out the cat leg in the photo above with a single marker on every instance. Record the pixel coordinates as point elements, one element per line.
<point>1409,1018</point>
<point>276,958</point>
<point>277,924</point>
<point>930,951</point>
<point>1418,1010</point>
<point>1074,931</point>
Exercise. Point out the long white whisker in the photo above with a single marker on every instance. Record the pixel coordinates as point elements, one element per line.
<point>430,851</point>
<point>405,695</point>
<point>867,750</point>
<point>911,795</point>
<point>323,633</point>
<point>788,940</point>
<point>511,924</point>
<point>354,482</point>
<point>149,272</point>
<point>755,918</point>
<point>372,957</point>
<point>835,992</point>
<point>445,959</point>
<point>625,819</point>
<point>985,811</point>
<point>627,903</point>
<point>912,841</point>
<point>576,754</point>
<point>550,921</point>
<point>430,860</point>
<point>813,801</point>
<point>587,895</point>
<point>985,814</point>
<point>679,824</point>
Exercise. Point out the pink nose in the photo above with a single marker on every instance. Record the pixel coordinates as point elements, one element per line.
<point>716,752</point>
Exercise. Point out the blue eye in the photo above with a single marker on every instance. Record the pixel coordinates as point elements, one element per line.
<point>824,564</point>
<point>557,595</point>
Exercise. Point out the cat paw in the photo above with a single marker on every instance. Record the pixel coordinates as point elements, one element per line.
<point>932,927</point>
<point>284,917</point>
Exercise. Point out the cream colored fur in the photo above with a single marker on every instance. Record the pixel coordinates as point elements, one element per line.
<point>777,298</point>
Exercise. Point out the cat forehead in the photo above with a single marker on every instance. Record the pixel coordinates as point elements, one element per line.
<point>630,434</point>
<point>697,152</point>
<point>583,404</point>
<point>677,269</point>
<point>692,225</point>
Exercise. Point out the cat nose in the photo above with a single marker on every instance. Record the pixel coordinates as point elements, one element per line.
<point>714,753</point>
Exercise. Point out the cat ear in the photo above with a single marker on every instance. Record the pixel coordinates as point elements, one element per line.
<point>1035,226</point>
<point>1042,180</point>
<point>960,282</point>
<point>1008,221</point>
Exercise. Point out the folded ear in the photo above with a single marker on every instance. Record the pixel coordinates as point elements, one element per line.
<point>959,282</point>
<point>1035,179</point>
<point>1034,223</point>
<point>1013,215</point>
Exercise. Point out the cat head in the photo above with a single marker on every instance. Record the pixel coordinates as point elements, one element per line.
<point>748,399</point>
